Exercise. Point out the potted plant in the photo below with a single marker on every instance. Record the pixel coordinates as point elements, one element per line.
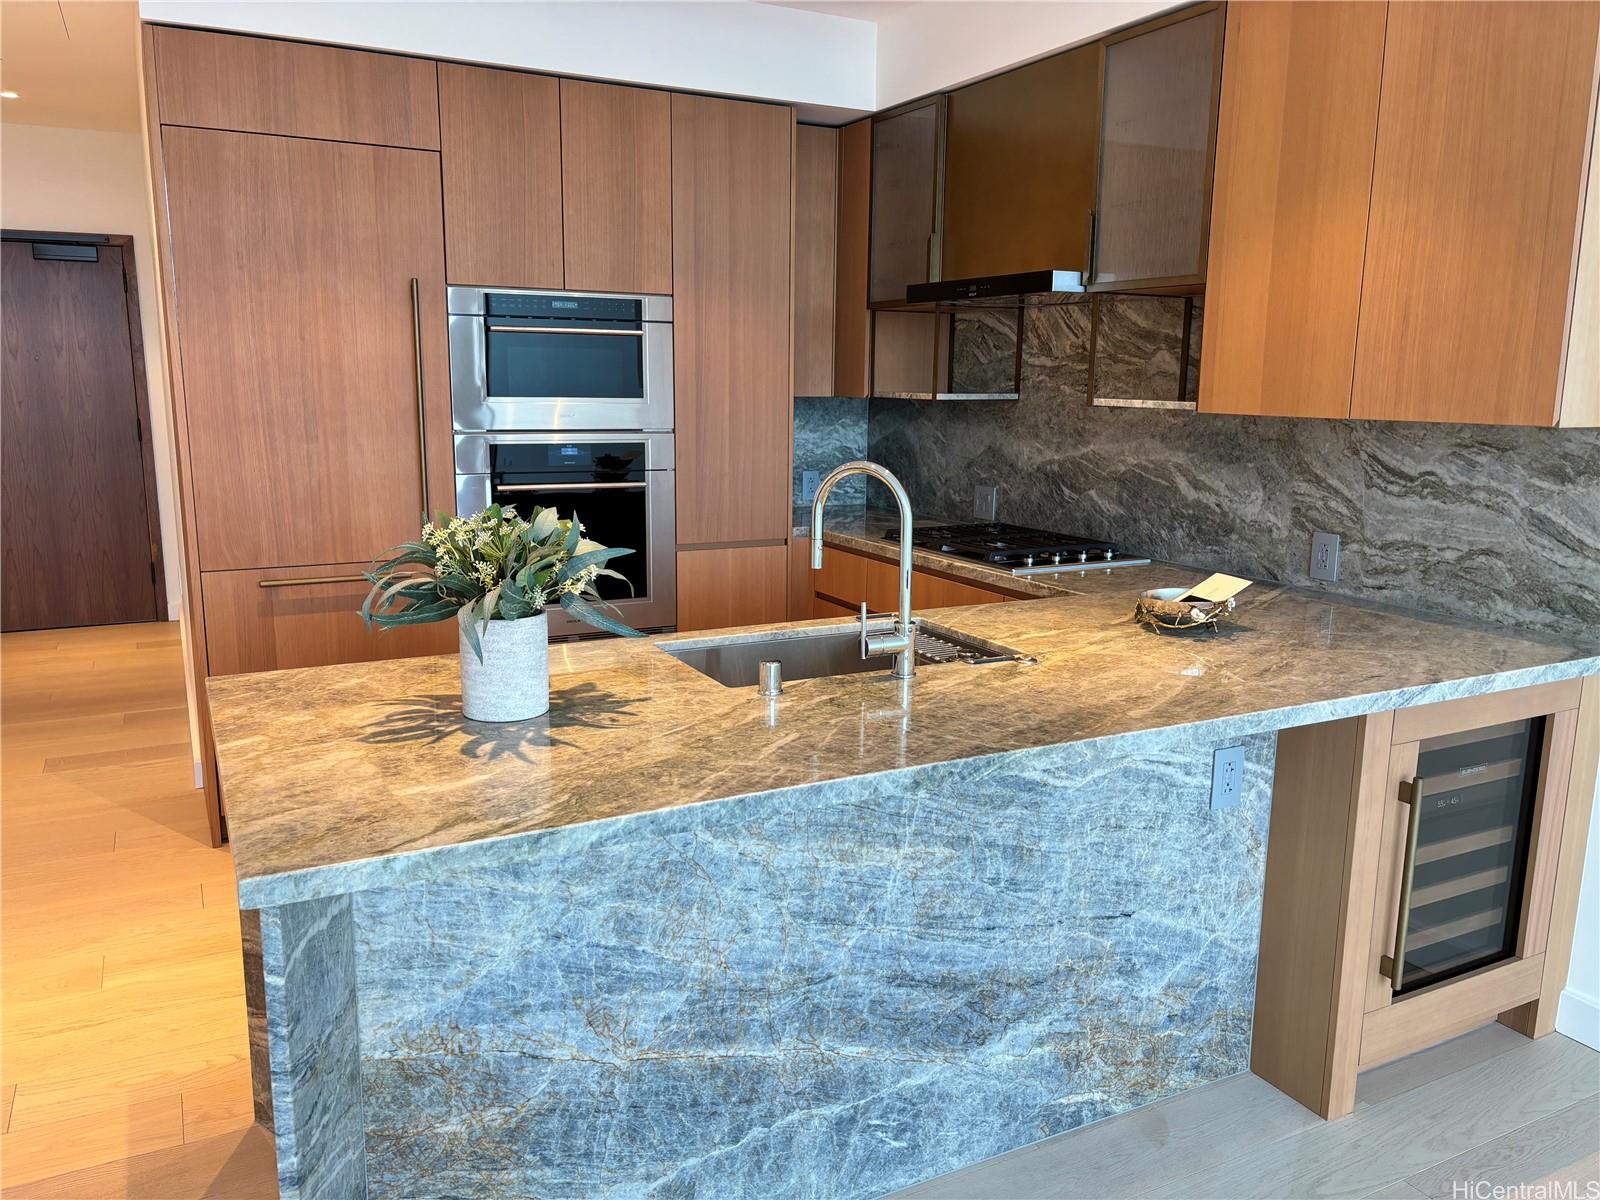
<point>496,574</point>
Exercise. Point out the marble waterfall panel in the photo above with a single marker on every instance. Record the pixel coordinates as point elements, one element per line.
<point>1492,523</point>
<point>829,991</point>
<point>308,972</point>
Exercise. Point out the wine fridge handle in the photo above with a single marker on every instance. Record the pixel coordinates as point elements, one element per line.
<point>1394,966</point>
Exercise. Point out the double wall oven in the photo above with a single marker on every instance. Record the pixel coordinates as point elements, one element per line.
<point>564,400</point>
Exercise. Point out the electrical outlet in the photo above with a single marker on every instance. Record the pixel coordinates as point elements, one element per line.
<point>810,481</point>
<point>1325,556</point>
<point>1227,776</point>
<point>984,499</point>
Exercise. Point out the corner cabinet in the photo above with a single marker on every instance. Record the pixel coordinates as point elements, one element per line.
<point>1422,880</point>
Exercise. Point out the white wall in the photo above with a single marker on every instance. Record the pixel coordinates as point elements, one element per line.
<point>731,47</point>
<point>930,47</point>
<point>93,181</point>
<point>1579,1015</point>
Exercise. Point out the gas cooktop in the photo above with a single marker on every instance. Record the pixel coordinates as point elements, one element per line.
<point>1023,551</point>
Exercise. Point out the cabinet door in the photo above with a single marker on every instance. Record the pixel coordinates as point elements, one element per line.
<point>1019,169</point>
<point>906,155</point>
<point>294,263</point>
<point>616,155</point>
<point>723,587</point>
<point>1477,180</point>
<point>852,329</point>
<point>501,154</point>
<point>1295,136</point>
<point>1157,125</point>
<point>281,618</point>
<point>935,591</point>
<point>816,178</point>
<point>258,85</point>
<point>731,324</point>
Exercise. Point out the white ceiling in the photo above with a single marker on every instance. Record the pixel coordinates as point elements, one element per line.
<point>73,63</point>
<point>860,10</point>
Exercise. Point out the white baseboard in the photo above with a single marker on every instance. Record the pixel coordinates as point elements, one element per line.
<point>1579,1018</point>
<point>174,610</point>
<point>199,774</point>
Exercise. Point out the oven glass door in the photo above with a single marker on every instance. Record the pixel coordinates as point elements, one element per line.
<point>545,360</point>
<point>602,484</point>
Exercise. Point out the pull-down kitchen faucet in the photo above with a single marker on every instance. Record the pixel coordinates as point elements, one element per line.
<point>902,643</point>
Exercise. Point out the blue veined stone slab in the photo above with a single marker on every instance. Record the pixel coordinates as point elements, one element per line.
<point>829,991</point>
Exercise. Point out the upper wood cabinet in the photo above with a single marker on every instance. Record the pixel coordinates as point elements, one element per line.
<point>852,322</point>
<point>1477,186</point>
<point>306,274</point>
<point>501,158</point>
<point>616,182</point>
<point>731,214</point>
<point>258,85</point>
<point>1019,171</point>
<point>907,161</point>
<point>1157,126</point>
<point>1298,122</point>
<point>816,214</point>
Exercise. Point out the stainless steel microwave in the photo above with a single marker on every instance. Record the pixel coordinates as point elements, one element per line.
<point>524,359</point>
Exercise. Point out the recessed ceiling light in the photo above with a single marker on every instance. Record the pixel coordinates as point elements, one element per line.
<point>9,96</point>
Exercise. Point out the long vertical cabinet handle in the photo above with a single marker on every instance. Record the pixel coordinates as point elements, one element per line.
<point>1395,966</point>
<point>422,408</point>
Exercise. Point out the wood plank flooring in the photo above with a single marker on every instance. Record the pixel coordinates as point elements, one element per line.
<point>122,1022</point>
<point>1489,1106</point>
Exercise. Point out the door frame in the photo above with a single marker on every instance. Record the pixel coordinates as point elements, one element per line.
<point>141,390</point>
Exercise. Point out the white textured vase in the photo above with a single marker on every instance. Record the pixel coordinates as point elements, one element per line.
<point>512,683</point>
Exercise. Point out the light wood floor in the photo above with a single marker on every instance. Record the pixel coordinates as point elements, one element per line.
<point>122,1021</point>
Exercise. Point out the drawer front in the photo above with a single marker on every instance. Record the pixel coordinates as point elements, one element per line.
<point>265,621</point>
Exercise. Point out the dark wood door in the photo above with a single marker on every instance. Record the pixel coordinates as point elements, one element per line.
<point>294,261</point>
<point>77,530</point>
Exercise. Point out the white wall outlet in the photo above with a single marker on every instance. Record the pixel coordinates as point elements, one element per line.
<point>1325,556</point>
<point>984,499</point>
<point>1227,777</point>
<point>810,481</point>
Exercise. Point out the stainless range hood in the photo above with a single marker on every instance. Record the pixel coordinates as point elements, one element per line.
<point>1000,291</point>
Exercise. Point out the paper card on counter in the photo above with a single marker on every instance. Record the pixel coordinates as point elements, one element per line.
<point>1216,589</point>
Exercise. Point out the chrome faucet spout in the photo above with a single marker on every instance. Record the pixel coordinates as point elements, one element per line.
<point>902,643</point>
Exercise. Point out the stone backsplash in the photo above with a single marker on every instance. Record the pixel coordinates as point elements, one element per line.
<point>1489,522</point>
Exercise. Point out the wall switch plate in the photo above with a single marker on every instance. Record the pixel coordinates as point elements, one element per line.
<point>810,481</point>
<point>1325,556</point>
<point>984,499</point>
<point>1227,777</point>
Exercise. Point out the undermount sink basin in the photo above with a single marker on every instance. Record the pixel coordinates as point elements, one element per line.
<point>829,650</point>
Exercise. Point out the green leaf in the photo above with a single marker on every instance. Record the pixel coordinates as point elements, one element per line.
<point>574,566</point>
<point>592,615</point>
<point>464,620</point>
<point>545,523</point>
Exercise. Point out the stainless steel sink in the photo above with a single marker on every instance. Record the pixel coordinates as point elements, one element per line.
<point>829,650</point>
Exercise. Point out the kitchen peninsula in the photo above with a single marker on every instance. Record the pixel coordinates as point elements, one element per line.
<point>675,939</point>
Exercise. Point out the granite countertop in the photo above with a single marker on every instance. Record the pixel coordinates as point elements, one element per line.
<point>345,777</point>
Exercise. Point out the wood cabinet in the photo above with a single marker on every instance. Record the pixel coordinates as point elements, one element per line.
<point>1477,187</point>
<point>270,621</point>
<point>500,134</point>
<point>258,85</point>
<point>848,578</point>
<point>616,183</point>
<point>852,321</point>
<point>307,274</point>
<point>1158,110</point>
<point>1020,151</point>
<point>816,214</point>
<point>1385,847</point>
<point>731,196</point>
<point>725,586</point>
<point>1298,123</point>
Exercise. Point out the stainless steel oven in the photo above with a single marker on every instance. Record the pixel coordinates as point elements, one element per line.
<point>620,485</point>
<point>523,359</point>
